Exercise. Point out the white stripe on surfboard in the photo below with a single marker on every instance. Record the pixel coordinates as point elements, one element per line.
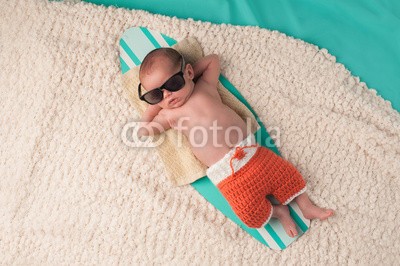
<point>138,43</point>
<point>127,59</point>
<point>159,38</point>
<point>134,47</point>
<point>267,237</point>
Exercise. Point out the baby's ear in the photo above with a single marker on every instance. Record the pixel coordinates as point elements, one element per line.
<point>189,71</point>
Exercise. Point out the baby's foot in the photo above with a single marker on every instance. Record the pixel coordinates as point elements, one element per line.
<point>282,213</point>
<point>311,211</point>
<point>317,212</point>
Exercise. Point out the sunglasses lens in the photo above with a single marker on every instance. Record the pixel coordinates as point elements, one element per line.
<point>175,83</point>
<point>153,96</point>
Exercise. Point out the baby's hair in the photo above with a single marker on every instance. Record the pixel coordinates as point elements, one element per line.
<point>171,54</point>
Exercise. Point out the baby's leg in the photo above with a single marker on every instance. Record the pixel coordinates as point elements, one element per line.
<point>311,211</point>
<point>282,213</point>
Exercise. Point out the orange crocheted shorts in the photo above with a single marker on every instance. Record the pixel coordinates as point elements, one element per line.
<point>248,173</point>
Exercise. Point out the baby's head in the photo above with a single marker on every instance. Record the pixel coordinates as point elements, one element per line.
<point>165,78</point>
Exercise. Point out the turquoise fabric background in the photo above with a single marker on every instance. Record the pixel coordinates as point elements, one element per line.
<point>362,35</point>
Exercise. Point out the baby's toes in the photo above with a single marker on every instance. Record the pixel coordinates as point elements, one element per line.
<point>326,214</point>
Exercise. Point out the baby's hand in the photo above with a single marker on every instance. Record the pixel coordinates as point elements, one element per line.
<point>150,113</point>
<point>153,122</point>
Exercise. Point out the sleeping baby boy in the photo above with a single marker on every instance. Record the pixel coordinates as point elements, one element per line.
<point>185,98</point>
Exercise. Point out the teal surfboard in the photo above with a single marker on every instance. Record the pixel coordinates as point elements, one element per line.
<point>135,43</point>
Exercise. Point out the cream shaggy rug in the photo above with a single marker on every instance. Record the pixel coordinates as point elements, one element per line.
<point>72,192</point>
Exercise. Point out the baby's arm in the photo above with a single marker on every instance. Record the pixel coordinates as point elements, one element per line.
<point>153,122</point>
<point>207,69</point>
<point>150,113</point>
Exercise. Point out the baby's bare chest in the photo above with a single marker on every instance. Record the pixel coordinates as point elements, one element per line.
<point>198,109</point>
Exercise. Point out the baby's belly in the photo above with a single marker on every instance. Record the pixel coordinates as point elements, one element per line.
<point>209,155</point>
<point>209,147</point>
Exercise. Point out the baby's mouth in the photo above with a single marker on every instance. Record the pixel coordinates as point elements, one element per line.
<point>172,101</point>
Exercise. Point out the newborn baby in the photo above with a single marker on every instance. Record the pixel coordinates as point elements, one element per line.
<point>185,98</point>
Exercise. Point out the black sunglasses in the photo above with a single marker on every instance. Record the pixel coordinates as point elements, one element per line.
<point>174,83</point>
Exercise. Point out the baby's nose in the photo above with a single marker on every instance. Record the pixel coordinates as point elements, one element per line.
<point>167,93</point>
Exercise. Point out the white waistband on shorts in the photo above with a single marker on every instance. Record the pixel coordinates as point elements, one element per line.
<point>221,169</point>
